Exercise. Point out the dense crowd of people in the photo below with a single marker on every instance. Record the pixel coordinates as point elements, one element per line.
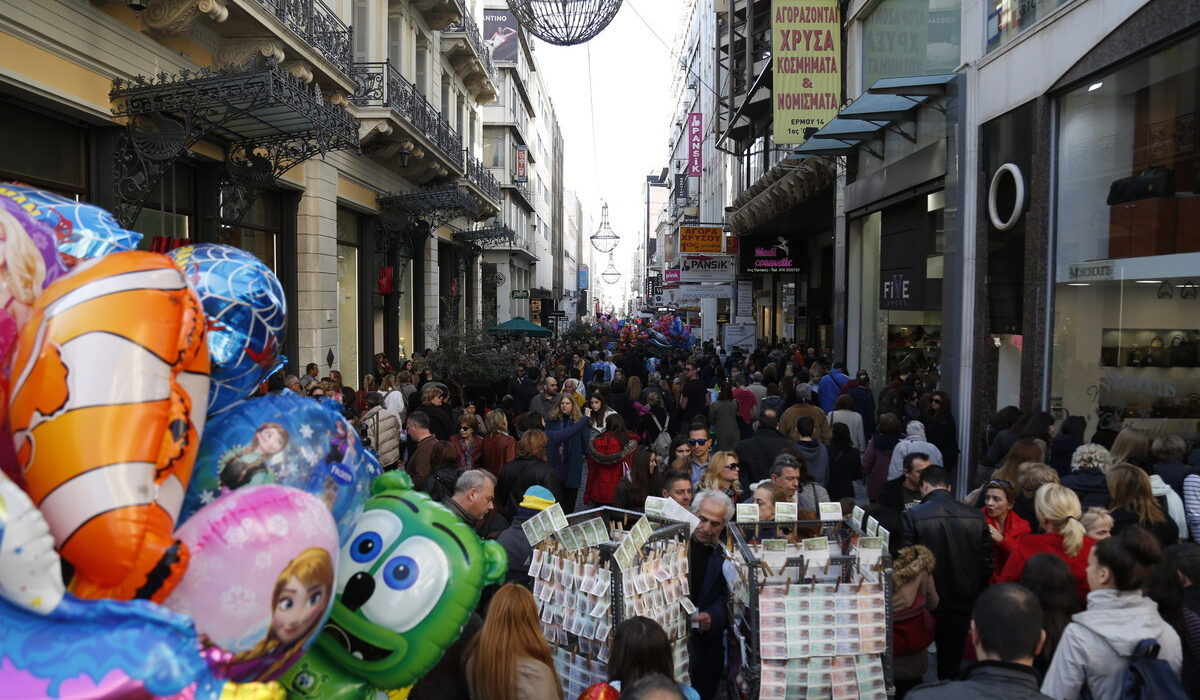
<point>1044,580</point>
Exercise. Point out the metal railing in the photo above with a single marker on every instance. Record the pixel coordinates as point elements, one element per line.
<point>320,26</point>
<point>381,85</point>
<point>467,27</point>
<point>481,177</point>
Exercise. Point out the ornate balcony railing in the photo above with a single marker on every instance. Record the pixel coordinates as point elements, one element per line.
<point>381,85</point>
<point>470,29</point>
<point>320,26</point>
<point>481,177</point>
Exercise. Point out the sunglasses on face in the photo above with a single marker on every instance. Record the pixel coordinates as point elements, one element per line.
<point>998,482</point>
<point>463,428</point>
<point>697,441</point>
<point>735,465</point>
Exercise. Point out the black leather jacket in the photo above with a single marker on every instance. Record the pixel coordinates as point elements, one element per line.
<point>987,679</point>
<point>958,536</point>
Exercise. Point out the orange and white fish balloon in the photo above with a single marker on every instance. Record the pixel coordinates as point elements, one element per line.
<point>108,394</point>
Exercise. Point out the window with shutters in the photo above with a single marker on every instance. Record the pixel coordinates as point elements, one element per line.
<point>395,39</point>
<point>359,21</point>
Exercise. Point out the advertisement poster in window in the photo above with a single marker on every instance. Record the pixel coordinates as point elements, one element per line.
<point>806,56</point>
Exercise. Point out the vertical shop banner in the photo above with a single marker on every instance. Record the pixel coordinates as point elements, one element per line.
<point>582,280</point>
<point>522,174</point>
<point>681,190</point>
<point>745,299</point>
<point>695,137</point>
<point>806,51</point>
<point>500,35</point>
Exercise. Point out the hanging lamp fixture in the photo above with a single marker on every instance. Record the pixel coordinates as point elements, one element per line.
<point>605,239</point>
<point>610,275</point>
<point>565,22</point>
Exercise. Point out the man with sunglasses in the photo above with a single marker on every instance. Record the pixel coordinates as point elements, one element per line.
<point>701,446</point>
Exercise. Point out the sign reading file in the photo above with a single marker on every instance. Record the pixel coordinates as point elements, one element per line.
<point>701,239</point>
<point>806,50</point>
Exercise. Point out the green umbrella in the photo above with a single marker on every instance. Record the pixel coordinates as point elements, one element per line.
<point>520,326</point>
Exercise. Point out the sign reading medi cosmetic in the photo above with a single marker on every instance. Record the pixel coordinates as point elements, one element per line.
<point>706,268</point>
<point>769,254</point>
<point>807,88</point>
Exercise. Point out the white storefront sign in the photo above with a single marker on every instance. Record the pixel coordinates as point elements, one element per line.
<point>688,293</point>
<point>706,268</point>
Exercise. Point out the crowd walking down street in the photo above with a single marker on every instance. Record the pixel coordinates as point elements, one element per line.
<point>1045,580</point>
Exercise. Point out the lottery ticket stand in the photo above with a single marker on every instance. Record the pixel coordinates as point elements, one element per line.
<point>809,623</point>
<point>595,573</point>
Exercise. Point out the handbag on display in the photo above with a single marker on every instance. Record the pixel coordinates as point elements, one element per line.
<point>1155,181</point>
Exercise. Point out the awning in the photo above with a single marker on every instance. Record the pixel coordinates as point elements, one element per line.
<point>784,186</point>
<point>881,108</point>
<point>268,120</point>
<point>520,326</point>
<point>436,205</point>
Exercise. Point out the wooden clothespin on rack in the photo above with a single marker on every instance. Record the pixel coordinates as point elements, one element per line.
<point>861,580</point>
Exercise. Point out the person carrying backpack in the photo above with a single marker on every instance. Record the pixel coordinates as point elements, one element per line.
<point>1120,648</point>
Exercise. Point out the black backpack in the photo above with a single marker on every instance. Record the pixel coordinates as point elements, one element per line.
<point>1148,677</point>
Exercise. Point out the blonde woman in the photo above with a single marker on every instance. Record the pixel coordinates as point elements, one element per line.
<point>722,475</point>
<point>1064,536</point>
<point>22,269</point>
<point>1098,522</point>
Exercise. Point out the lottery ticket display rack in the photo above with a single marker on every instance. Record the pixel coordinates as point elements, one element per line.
<point>605,566</point>
<point>814,625</point>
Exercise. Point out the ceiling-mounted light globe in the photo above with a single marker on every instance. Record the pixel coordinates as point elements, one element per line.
<point>610,275</point>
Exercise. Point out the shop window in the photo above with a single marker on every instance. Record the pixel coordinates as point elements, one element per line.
<point>911,37</point>
<point>258,231</point>
<point>347,294</point>
<point>1127,236</point>
<point>169,210</point>
<point>43,151</point>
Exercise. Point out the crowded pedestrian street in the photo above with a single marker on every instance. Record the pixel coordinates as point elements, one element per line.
<point>386,349</point>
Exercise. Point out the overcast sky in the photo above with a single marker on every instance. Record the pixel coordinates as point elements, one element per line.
<point>631,72</point>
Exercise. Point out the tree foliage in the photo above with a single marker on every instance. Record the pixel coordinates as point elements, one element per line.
<point>467,356</point>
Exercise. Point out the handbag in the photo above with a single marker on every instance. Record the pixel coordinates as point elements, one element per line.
<point>1155,181</point>
<point>912,629</point>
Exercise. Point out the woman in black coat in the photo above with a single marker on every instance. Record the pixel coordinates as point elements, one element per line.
<point>941,430</point>
<point>845,463</point>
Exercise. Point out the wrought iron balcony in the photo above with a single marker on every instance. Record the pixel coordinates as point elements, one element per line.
<point>522,189</point>
<point>467,27</point>
<point>481,177</point>
<point>381,85</point>
<point>320,26</point>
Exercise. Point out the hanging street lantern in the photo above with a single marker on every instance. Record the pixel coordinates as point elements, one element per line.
<point>564,22</point>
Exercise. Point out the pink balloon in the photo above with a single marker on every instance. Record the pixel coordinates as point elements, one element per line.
<point>261,577</point>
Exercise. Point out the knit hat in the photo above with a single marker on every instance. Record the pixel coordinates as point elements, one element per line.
<point>537,498</point>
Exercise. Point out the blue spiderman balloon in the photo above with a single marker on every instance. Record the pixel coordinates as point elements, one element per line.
<point>247,315</point>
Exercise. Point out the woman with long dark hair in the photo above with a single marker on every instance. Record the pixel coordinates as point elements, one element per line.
<point>1050,580</point>
<point>878,457</point>
<point>722,419</point>
<point>1095,648</point>
<point>941,430</point>
<point>641,648</point>
<point>609,456</point>
<point>641,481</point>
<point>509,658</point>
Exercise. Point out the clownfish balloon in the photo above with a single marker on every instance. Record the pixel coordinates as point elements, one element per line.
<point>109,390</point>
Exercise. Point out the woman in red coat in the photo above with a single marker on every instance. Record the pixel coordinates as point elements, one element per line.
<point>1005,526</point>
<point>609,457</point>
<point>1057,508</point>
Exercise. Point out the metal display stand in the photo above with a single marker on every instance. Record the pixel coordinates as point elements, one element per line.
<point>569,647</point>
<point>746,614</point>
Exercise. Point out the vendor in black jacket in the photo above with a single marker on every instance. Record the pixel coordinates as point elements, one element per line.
<point>958,536</point>
<point>709,592</point>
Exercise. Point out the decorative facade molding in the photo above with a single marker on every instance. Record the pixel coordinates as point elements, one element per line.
<point>239,52</point>
<point>178,16</point>
<point>302,71</point>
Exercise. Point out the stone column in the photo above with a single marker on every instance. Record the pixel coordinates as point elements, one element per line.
<point>316,267</point>
<point>433,294</point>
